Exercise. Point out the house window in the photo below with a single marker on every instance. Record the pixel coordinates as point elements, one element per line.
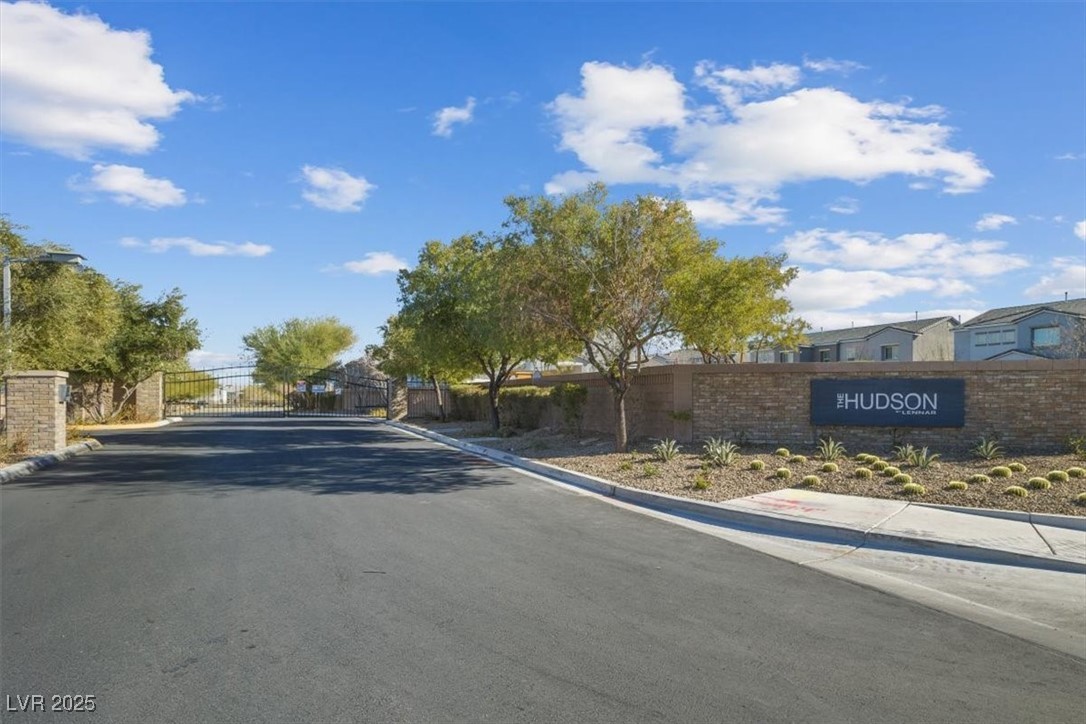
<point>994,338</point>
<point>823,355</point>
<point>787,356</point>
<point>889,352</point>
<point>1045,336</point>
<point>850,352</point>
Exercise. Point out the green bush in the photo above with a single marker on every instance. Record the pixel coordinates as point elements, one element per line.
<point>979,479</point>
<point>570,398</point>
<point>987,449</point>
<point>1058,476</point>
<point>864,473</point>
<point>522,407</point>
<point>782,452</point>
<point>890,471</point>
<point>1076,472</point>
<point>1000,471</point>
<point>625,466</point>
<point>903,478</point>
<point>650,470</point>
<point>757,465</point>
<point>1016,490</point>
<point>665,450</point>
<point>829,467</point>
<point>469,402</point>
<point>1017,467</point>
<point>957,485</point>
<point>879,465</point>
<point>783,473</point>
<point>810,481</point>
<point>1039,484</point>
<point>830,450</point>
<point>798,459</point>
<point>702,482</point>
<point>721,452</point>
<point>914,489</point>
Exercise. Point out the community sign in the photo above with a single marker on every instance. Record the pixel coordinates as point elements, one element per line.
<point>888,402</point>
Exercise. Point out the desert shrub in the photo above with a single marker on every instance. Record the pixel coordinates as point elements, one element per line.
<point>523,407</point>
<point>1000,471</point>
<point>810,481</point>
<point>1076,445</point>
<point>1076,472</point>
<point>922,458</point>
<point>625,466</point>
<point>914,489</point>
<point>979,479</point>
<point>1081,498</point>
<point>830,450</point>
<point>783,473</point>
<point>1017,467</point>
<point>879,465</point>
<point>469,402</point>
<point>1058,476</point>
<point>890,471</point>
<point>798,459</point>
<point>957,485</point>
<point>903,478</point>
<point>864,473</point>
<point>829,467</point>
<point>782,452</point>
<point>650,470</point>
<point>1039,483</point>
<point>721,452</point>
<point>702,482</point>
<point>570,398</point>
<point>1016,490</point>
<point>757,465</point>
<point>665,450</point>
<point>902,453</point>
<point>987,449</point>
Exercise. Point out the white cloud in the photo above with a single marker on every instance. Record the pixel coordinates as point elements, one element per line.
<point>131,186</point>
<point>1068,276</point>
<point>1080,230</point>
<point>195,247</point>
<point>637,125</point>
<point>991,222</point>
<point>334,189</point>
<point>930,254</point>
<point>830,289</point>
<point>734,209</point>
<point>1070,157</point>
<point>844,205</point>
<point>451,115</point>
<point>373,263</point>
<point>204,359</point>
<point>830,65</point>
<point>72,84</point>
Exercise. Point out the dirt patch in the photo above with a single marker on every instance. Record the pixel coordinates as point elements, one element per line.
<point>640,469</point>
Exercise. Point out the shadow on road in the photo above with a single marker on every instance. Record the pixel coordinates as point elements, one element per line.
<point>319,456</point>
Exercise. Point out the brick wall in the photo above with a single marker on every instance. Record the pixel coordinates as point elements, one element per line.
<point>1034,405</point>
<point>35,418</point>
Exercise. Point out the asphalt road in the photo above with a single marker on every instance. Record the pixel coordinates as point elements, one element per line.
<point>329,570</point>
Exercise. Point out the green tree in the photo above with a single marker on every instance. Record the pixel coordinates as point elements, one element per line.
<point>186,384</point>
<point>296,348</point>
<point>604,275</point>
<point>467,312</point>
<point>723,306</point>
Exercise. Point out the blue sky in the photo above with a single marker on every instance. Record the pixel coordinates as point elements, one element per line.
<point>280,160</point>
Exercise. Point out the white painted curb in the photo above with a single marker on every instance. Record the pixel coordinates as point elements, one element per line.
<point>762,521</point>
<point>48,460</point>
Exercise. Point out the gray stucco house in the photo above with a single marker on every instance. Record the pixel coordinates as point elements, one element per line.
<point>912,341</point>
<point>1050,330</point>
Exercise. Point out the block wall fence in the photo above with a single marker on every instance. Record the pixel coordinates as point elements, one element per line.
<point>1034,405</point>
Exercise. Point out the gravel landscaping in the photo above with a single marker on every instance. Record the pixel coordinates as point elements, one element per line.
<point>687,474</point>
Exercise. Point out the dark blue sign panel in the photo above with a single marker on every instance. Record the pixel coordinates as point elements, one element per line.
<point>888,402</point>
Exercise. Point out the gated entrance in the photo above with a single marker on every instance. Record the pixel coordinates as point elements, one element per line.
<point>246,390</point>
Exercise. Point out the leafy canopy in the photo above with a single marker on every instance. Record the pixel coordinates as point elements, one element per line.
<point>296,348</point>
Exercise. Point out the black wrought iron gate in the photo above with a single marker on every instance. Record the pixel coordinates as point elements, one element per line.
<point>246,390</point>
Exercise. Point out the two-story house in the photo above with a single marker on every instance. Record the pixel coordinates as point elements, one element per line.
<point>912,341</point>
<point>1049,330</point>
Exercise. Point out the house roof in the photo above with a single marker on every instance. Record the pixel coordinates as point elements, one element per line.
<point>1010,315</point>
<point>1016,354</point>
<point>833,336</point>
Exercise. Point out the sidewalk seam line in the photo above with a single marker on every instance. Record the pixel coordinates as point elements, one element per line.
<point>1042,536</point>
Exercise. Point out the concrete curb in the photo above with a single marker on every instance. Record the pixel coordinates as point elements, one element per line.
<point>1070,522</point>
<point>48,460</point>
<point>765,522</point>
<point>134,426</point>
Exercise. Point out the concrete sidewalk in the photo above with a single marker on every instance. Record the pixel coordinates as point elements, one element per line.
<point>1047,542</point>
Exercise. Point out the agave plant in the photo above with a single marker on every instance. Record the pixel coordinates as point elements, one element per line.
<point>665,450</point>
<point>904,453</point>
<point>830,450</point>
<point>987,449</point>
<point>721,452</point>
<point>922,458</point>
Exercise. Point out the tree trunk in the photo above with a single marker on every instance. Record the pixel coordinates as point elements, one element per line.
<point>440,399</point>
<point>621,442</point>
<point>492,396</point>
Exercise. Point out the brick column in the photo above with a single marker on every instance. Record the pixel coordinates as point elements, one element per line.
<point>36,416</point>
<point>148,394</point>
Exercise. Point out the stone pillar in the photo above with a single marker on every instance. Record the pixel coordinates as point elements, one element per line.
<point>682,403</point>
<point>148,403</point>
<point>397,399</point>
<point>36,414</point>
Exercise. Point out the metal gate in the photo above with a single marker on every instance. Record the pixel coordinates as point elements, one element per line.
<point>249,391</point>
